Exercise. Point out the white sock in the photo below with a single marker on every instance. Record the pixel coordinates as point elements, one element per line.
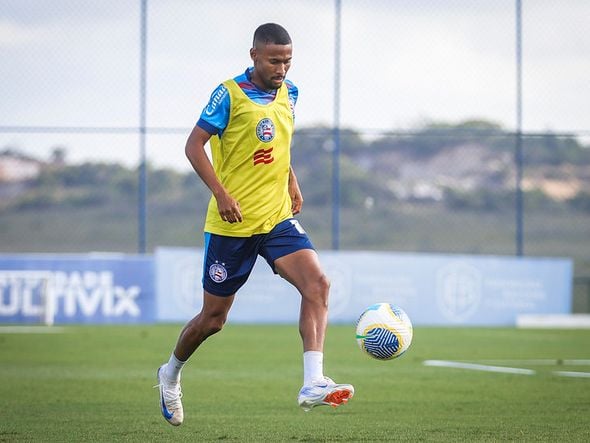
<point>173,368</point>
<point>313,367</point>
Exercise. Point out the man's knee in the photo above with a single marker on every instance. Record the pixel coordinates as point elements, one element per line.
<point>214,324</point>
<point>323,284</point>
<point>317,290</point>
<point>206,325</point>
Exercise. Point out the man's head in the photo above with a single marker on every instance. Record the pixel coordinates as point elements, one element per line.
<point>271,33</point>
<point>271,53</point>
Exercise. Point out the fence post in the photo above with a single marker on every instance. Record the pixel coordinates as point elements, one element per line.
<point>336,135</point>
<point>519,153</point>
<point>142,184</point>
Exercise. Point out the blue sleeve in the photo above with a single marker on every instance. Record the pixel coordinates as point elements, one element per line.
<point>215,115</point>
<point>293,91</point>
<point>293,95</point>
<point>207,127</point>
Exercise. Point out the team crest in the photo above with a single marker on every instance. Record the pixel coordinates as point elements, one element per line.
<point>217,272</point>
<point>265,130</point>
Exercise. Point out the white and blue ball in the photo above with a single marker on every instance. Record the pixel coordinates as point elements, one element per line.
<point>384,331</point>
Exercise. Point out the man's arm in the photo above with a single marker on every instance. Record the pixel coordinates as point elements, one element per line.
<point>228,207</point>
<point>295,193</point>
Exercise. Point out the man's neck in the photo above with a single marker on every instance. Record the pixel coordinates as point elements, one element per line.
<point>251,74</point>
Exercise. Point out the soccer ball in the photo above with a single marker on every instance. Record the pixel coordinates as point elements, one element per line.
<point>384,331</point>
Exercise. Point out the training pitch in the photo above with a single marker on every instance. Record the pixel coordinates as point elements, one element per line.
<point>472,384</point>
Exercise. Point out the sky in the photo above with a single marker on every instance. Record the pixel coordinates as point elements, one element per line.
<point>75,63</point>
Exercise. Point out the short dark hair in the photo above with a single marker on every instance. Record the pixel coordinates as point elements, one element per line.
<point>271,34</point>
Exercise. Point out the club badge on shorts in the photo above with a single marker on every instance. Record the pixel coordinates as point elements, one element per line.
<point>217,272</point>
<point>265,130</point>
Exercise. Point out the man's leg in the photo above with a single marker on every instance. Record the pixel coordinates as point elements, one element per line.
<point>303,270</point>
<point>209,321</point>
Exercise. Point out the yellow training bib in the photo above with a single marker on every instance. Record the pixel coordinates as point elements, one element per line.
<point>252,159</point>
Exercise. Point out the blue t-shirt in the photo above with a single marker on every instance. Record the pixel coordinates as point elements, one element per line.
<point>215,115</point>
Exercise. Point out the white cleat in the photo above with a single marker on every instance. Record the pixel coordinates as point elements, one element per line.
<point>170,395</point>
<point>324,393</point>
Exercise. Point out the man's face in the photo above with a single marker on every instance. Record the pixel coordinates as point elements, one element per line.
<point>271,63</point>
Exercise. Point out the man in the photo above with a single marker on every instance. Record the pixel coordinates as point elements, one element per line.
<point>249,124</point>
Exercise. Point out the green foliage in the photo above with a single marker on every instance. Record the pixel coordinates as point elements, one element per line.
<point>581,202</point>
<point>365,168</point>
<point>98,185</point>
<point>482,200</point>
<point>552,150</point>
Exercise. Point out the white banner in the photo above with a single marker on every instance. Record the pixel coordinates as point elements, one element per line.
<point>432,289</point>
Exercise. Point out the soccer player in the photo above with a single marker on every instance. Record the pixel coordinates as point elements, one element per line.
<point>249,124</point>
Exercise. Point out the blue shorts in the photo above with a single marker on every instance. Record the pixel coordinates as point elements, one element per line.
<point>229,260</point>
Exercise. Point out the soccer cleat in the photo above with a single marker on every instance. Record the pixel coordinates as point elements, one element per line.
<point>324,392</point>
<point>170,395</point>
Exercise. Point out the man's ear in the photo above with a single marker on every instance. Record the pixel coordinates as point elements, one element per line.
<point>253,54</point>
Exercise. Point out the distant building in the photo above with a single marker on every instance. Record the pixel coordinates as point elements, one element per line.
<point>16,167</point>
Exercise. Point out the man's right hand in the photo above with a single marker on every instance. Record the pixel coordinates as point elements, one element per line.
<point>229,209</point>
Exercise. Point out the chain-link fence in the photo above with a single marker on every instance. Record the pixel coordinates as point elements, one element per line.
<point>409,122</point>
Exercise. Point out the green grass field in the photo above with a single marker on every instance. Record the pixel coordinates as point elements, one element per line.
<point>95,384</point>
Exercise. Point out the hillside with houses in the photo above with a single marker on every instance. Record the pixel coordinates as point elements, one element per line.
<point>441,188</point>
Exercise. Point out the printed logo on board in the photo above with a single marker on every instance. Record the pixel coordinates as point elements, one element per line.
<point>458,291</point>
<point>265,130</point>
<point>81,294</point>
